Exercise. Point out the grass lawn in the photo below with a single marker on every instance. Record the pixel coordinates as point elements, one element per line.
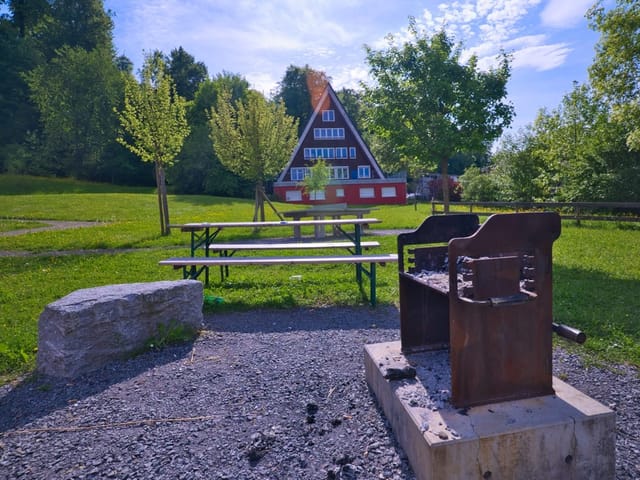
<point>596,266</point>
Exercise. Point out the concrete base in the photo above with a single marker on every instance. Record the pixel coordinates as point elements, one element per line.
<point>563,436</point>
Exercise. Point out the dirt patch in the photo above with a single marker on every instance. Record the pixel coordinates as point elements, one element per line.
<point>52,225</point>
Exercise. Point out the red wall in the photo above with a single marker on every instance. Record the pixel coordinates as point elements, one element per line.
<point>351,194</point>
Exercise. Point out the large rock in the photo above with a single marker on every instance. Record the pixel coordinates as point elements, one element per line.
<point>92,327</point>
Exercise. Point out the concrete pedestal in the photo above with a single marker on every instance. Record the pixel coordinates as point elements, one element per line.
<point>563,436</point>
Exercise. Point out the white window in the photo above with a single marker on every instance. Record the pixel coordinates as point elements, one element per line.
<point>388,192</point>
<point>364,171</point>
<point>367,192</point>
<point>328,133</point>
<point>341,152</point>
<point>326,153</point>
<point>340,192</point>
<point>317,195</point>
<point>298,173</point>
<point>328,116</point>
<point>293,195</point>
<point>339,173</point>
<point>352,152</point>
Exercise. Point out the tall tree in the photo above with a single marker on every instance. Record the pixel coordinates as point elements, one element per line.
<point>76,93</point>
<point>187,74</point>
<point>253,139</point>
<point>584,153</point>
<point>79,23</point>
<point>197,169</point>
<point>615,72</point>
<point>19,53</point>
<point>429,105</point>
<point>154,119</point>
<point>300,89</point>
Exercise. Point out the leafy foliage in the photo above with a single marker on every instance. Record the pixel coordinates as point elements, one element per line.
<point>198,169</point>
<point>615,72</point>
<point>253,139</point>
<point>300,90</point>
<point>429,106</point>
<point>76,93</point>
<point>572,153</point>
<point>318,177</point>
<point>186,73</point>
<point>154,118</point>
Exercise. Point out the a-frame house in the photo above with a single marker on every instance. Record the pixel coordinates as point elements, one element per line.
<point>356,177</point>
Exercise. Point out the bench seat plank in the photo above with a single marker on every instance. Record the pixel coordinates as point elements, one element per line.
<point>216,247</point>
<point>190,265</point>
<point>230,261</point>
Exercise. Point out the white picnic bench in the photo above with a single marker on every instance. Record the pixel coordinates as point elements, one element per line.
<point>204,234</point>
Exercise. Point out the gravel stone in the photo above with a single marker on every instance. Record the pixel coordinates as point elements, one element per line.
<point>237,404</point>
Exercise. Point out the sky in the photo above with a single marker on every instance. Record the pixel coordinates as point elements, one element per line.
<point>550,41</point>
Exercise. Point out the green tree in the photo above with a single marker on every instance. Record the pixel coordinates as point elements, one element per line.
<point>77,23</point>
<point>615,72</point>
<point>479,186</point>
<point>300,89</point>
<point>19,117</point>
<point>520,174</point>
<point>584,153</point>
<point>197,169</point>
<point>187,74</point>
<point>154,119</point>
<point>253,139</point>
<point>76,93</point>
<point>317,179</point>
<point>429,105</point>
<point>352,102</point>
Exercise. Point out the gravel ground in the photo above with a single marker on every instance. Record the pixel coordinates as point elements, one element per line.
<point>260,395</point>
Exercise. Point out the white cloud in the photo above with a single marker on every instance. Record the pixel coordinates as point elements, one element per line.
<point>488,27</point>
<point>542,57</point>
<point>565,13</point>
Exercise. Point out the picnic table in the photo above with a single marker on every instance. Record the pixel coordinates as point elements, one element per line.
<point>320,212</point>
<point>204,235</point>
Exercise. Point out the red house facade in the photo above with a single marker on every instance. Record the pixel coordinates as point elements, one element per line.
<point>356,177</point>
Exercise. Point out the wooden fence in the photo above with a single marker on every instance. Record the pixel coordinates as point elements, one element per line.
<point>606,211</point>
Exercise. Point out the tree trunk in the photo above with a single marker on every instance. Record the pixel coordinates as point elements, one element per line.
<point>258,209</point>
<point>159,190</point>
<point>256,203</point>
<point>163,204</point>
<point>444,170</point>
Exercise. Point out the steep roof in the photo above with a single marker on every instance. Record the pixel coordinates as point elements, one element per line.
<point>329,97</point>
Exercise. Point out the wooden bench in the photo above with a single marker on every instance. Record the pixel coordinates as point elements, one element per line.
<point>192,266</point>
<point>229,249</point>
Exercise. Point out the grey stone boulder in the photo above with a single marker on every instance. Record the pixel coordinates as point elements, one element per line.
<point>94,326</point>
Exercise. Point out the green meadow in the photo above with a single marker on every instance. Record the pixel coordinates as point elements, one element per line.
<point>596,265</point>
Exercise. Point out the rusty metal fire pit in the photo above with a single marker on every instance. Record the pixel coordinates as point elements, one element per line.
<point>484,292</point>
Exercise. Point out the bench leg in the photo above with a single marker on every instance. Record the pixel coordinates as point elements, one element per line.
<point>372,284</point>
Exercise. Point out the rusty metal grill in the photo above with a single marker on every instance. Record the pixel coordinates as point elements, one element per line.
<point>484,292</point>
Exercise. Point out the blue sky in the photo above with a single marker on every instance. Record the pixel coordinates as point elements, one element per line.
<point>550,40</point>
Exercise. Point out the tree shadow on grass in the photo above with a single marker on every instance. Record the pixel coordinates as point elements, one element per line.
<point>595,302</point>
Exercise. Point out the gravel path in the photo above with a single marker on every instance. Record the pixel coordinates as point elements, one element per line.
<point>260,395</point>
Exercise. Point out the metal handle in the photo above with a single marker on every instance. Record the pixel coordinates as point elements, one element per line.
<point>570,333</point>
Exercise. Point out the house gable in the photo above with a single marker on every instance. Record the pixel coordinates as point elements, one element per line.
<point>355,174</point>
<point>322,137</point>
